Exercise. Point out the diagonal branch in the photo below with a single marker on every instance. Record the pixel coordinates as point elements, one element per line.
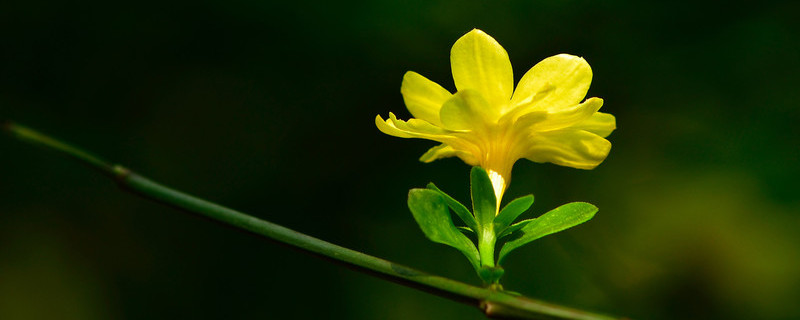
<point>495,304</point>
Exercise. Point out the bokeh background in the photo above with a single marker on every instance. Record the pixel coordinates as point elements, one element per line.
<point>268,107</point>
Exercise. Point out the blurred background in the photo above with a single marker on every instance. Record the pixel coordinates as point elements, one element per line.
<point>269,107</point>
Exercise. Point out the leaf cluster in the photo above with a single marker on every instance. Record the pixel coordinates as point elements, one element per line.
<point>488,226</point>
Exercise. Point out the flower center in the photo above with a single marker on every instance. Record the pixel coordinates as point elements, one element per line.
<point>498,159</point>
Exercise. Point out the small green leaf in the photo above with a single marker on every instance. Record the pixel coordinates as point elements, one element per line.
<point>484,202</point>
<point>514,227</point>
<point>511,211</point>
<point>466,231</point>
<point>460,210</point>
<point>431,213</point>
<point>558,219</point>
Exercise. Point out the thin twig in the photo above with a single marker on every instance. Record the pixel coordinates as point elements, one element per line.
<point>495,304</point>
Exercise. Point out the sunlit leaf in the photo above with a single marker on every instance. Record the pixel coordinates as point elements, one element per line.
<point>558,219</point>
<point>511,211</point>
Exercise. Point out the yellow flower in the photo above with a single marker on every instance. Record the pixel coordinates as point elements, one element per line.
<point>489,124</point>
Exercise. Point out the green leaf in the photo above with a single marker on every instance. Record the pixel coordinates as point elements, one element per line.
<point>514,227</point>
<point>431,213</point>
<point>466,231</point>
<point>511,211</point>
<point>558,219</point>
<point>484,202</point>
<point>460,210</point>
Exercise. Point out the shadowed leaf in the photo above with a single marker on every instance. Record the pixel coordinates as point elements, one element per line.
<point>484,202</point>
<point>460,210</point>
<point>431,213</point>
<point>513,228</point>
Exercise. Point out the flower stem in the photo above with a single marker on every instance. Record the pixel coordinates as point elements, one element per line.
<point>486,244</point>
<point>489,272</point>
<point>492,302</point>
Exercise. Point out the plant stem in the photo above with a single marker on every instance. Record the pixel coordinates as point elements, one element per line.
<point>486,244</point>
<point>496,304</point>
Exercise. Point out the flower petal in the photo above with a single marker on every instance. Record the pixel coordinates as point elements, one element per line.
<point>480,63</point>
<point>601,124</point>
<point>438,152</point>
<point>563,80</point>
<point>572,116</point>
<point>568,147</point>
<point>423,97</point>
<point>413,128</point>
<point>387,127</point>
<point>467,110</point>
<point>445,151</point>
<point>465,147</point>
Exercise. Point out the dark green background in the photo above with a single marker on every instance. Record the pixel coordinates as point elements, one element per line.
<point>269,108</point>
